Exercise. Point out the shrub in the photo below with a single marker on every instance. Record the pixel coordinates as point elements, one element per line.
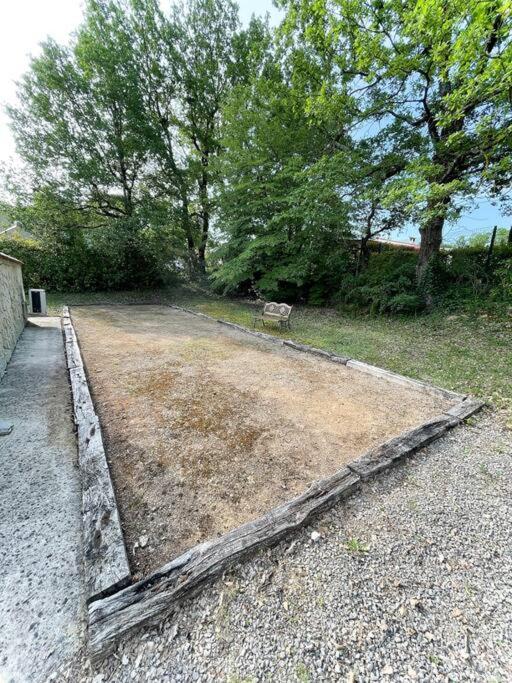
<point>462,277</point>
<point>76,261</point>
<point>387,285</point>
<point>501,290</point>
<point>466,277</point>
<point>405,303</point>
<point>35,260</point>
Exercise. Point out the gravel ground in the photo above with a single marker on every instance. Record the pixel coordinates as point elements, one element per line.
<point>409,580</point>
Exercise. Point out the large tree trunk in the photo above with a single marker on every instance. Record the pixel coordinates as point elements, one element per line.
<point>431,238</point>
<point>205,212</point>
<point>185,222</point>
<point>363,257</point>
<point>201,259</point>
<point>201,251</point>
<point>431,233</point>
<point>178,177</point>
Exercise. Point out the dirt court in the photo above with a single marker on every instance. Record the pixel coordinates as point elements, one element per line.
<point>207,427</point>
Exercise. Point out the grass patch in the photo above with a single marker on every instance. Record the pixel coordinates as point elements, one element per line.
<point>465,353</point>
<point>354,545</point>
<point>302,673</point>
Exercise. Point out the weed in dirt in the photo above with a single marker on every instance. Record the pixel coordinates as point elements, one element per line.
<point>302,673</point>
<point>413,505</point>
<point>228,594</point>
<point>235,678</point>
<point>469,590</point>
<point>487,473</point>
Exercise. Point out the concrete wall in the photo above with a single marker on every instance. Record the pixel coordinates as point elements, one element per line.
<point>12,307</point>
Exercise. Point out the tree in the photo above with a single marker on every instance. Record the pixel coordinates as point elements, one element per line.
<point>281,209</point>
<point>76,124</point>
<point>123,124</point>
<point>370,170</point>
<point>481,240</point>
<point>186,68</point>
<point>440,70</point>
<point>77,127</point>
<point>208,31</point>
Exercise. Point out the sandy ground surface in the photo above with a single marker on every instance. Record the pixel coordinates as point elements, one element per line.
<point>207,427</point>
<point>41,601</point>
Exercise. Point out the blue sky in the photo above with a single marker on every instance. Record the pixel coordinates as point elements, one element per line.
<point>24,24</point>
<point>482,218</point>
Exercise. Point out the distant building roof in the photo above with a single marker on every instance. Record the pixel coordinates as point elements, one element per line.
<point>397,244</point>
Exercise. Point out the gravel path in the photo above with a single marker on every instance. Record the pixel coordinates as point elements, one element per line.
<point>410,580</point>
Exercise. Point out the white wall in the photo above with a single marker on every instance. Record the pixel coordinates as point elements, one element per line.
<point>12,307</point>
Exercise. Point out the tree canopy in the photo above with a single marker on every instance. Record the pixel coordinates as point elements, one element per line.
<point>122,125</point>
<point>438,73</point>
<point>269,158</point>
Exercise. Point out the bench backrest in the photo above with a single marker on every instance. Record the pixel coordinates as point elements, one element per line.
<point>277,310</point>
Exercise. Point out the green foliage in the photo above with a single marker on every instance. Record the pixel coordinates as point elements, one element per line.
<point>437,74</point>
<point>481,240</point>
<point>365,118</point>
<point>467,276</point>
<point>119,128</point>
<point>501,290</point>
<point>154,129</point>
<point>388,285</point>
<point>456,279</point>
<point>355,545</point>
<point>36,263</point>
<point>74,262</point>
<point>405,302</point>
<point>280,208</point>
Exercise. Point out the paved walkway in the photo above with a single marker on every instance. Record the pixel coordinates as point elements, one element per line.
<point>41,606</point>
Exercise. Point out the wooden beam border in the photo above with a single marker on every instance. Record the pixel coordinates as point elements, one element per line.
<point>115,614</point>
<point>106,567</point>
<point>158,595</point>
<point>146,601</point>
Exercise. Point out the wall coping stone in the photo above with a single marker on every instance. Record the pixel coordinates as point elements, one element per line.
<point>10,258</point>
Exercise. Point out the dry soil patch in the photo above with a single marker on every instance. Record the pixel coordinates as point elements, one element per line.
<point>207,428</point>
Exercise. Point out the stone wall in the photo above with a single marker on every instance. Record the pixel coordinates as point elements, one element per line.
<point>12,307</point>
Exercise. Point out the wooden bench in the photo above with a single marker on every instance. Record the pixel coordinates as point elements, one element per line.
<point>278,313</point>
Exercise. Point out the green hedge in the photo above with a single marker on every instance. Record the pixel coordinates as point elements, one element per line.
<point>33,258</point>
<point>74,263</point>
<point>120,260</point>
<point>388,284</point>
<point>458,277</point>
